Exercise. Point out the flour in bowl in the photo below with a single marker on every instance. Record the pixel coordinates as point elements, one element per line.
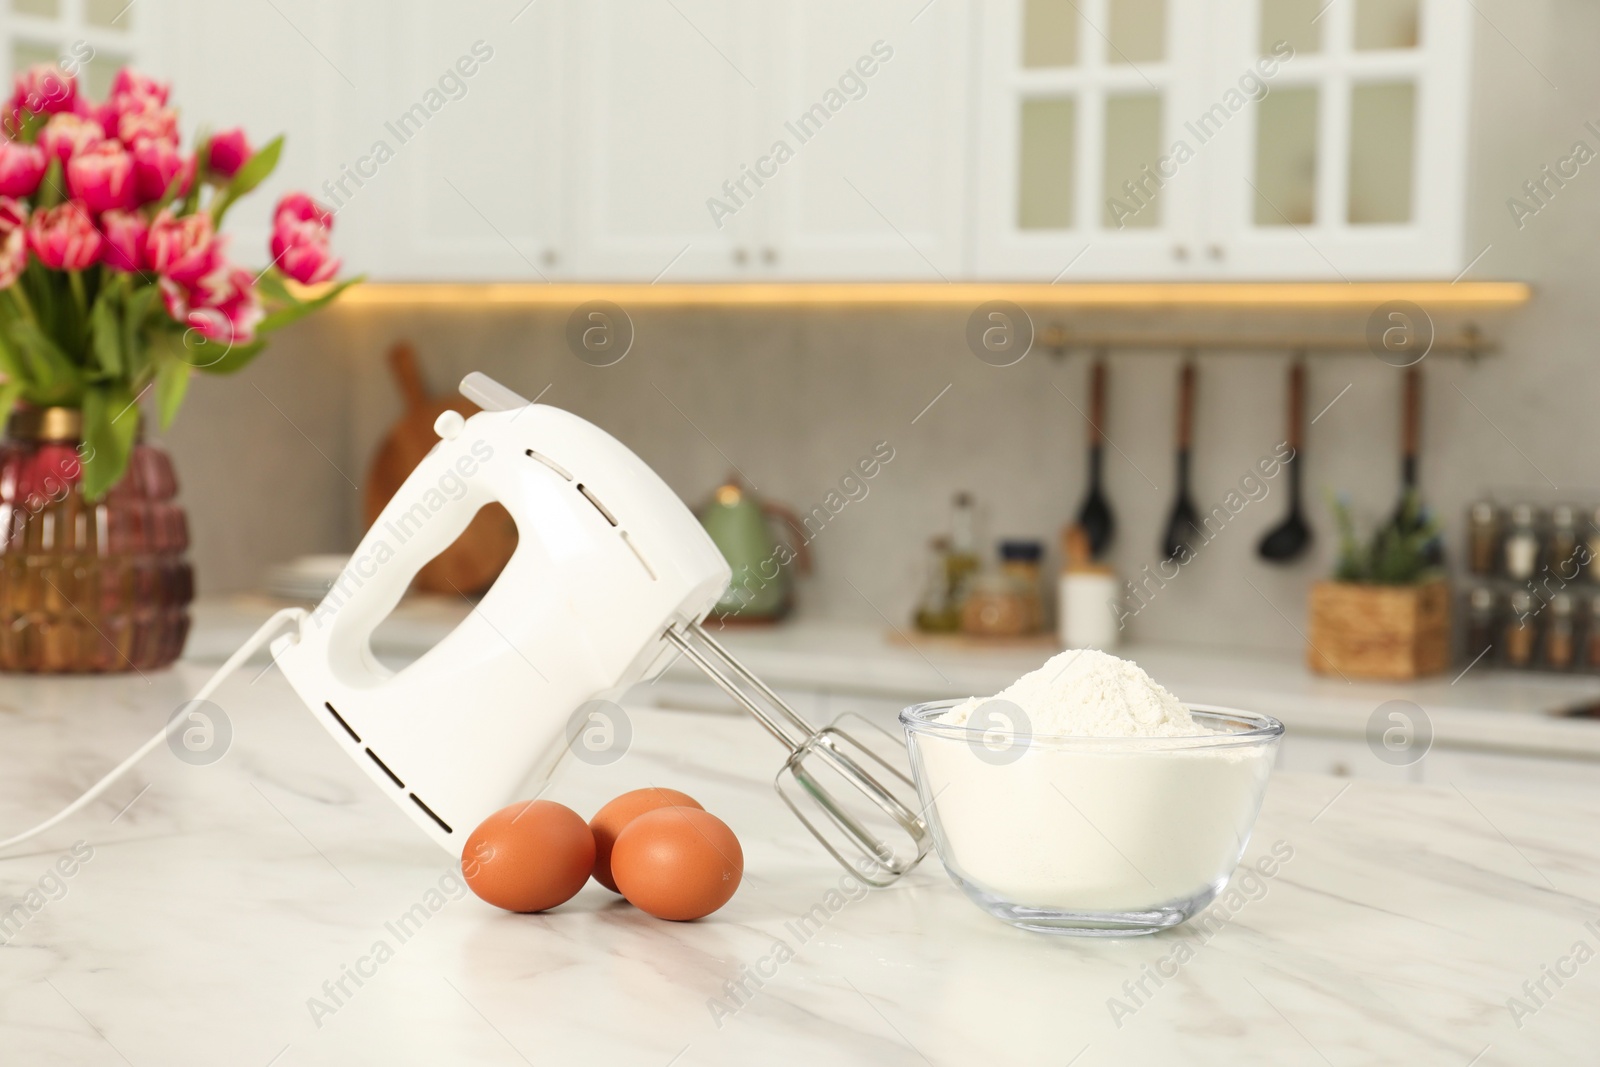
<point>1086,693</point>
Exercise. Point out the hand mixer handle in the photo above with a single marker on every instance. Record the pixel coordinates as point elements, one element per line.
<point>435,503</point>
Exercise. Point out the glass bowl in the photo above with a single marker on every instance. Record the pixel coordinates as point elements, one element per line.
<point>1094,836</point>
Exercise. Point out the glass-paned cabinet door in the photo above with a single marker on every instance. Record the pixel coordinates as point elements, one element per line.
<point>91,39</point>
<point>1349,160</point>
<point>1082,169</point>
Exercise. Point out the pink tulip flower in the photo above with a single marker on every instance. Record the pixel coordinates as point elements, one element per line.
<point>155,166</point>
<point>21,167</point>
<point>183,250</point>
<point>126,233</point>
<point>232,311</point>
<point>102,177</point>
<point>13,240</point>
<point>141,118</point>
<point>129,82</point>
<point>64,136</point>
<point>230,150</point>
<point>302,208</point>
<point>64,237</point>
<point>300,250</point>
<point>45,89</point>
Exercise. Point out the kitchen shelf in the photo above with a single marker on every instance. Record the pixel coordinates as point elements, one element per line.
<point>1175,296</point>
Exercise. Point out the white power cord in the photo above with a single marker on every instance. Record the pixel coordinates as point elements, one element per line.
<point>267,631</point>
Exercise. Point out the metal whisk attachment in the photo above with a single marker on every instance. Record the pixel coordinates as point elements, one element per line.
<point>845,785</point>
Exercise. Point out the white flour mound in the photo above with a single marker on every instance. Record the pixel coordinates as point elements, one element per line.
<point>1086,693</point>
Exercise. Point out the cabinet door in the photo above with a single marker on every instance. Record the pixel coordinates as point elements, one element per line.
<point>667,96</point>
<point>90,39</point>
<point>1353,163</point>
<point>868,115</point>
<point>469,114</point>
<point>1080,169</point>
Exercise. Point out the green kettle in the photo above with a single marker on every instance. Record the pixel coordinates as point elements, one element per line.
<point>763,563</point>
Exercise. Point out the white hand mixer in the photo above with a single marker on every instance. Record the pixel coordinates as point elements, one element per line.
<point>610,581</point>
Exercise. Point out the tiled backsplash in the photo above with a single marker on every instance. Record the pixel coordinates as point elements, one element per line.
<point>794,399</point>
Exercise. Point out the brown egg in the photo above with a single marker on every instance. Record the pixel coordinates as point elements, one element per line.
<point>677,863</point>
<point>529,857</point>
<point>609,821</point>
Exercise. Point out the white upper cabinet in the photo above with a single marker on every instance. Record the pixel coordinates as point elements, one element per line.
<point>1354,164</point>
<point>757,140</point>
<point>868,108</point>
<point>1081,102</point>
<point>665,101</point>
<point>770,139</point>
<point>1238,138</point>
<point>471,103</point>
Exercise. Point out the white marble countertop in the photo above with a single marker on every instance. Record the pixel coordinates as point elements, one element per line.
<point>1484,708</point>
<point>208,905</point>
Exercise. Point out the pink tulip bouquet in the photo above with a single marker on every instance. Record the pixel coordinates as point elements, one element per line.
<point>114,273</point>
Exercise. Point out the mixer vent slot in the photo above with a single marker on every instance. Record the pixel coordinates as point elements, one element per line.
<point>353,735</point>
<point>385,768</point>
<point>642,561</point>
<point>442,824</point>
<point>548,462</point>
<point>601,508</point>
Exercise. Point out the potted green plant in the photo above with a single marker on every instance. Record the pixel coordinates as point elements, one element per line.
<point>115,286</point>
<point>1386,612</point>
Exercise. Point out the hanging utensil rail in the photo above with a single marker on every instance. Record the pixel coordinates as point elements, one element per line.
<point>1468,342</point>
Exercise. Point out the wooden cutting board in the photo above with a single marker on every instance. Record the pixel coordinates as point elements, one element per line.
<point>475,560</point>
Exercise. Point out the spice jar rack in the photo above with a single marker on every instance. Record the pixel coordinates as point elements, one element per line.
<point>1531,600</point>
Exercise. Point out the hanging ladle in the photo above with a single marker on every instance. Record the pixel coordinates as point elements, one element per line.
<point>1292,536</point>
<point>1095,513</point>
<point>1183,527</point>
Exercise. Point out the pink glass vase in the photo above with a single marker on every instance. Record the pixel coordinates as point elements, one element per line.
<point>87,587</point>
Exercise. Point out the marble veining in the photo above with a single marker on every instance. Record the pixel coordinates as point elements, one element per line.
<point>222,903</point>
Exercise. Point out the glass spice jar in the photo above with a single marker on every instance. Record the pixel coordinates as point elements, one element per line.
<point>1518,632</point>
<point>1594,548</point>
<point>1560,635</point>
<point>1483,538</point>
<point>1021,560</point>
<point>1521,546</point>
<point>1591,644</point>
<point>1562,544</point>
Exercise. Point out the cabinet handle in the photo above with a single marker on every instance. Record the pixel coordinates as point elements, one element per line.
<point>1215,251</point>
<point>769,255</point>
<point>1340,770</point>
<point>550,258</point>
<point>1180,252</point>
<point>741,256</point>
